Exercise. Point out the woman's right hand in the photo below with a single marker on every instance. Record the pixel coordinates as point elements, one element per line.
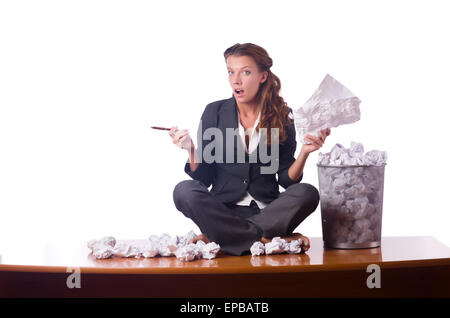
<point>181,138</point>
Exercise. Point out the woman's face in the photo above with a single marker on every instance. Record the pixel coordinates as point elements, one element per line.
<point>243,75</point>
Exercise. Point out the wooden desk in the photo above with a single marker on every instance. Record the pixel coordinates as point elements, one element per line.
<point>410,267</point>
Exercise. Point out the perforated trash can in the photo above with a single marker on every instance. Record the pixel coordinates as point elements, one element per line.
<point>351,202</point>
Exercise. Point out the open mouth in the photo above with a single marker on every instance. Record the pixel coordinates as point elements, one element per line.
<point>239,92</point>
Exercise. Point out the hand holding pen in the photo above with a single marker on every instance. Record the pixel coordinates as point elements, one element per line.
<point>180,138</point>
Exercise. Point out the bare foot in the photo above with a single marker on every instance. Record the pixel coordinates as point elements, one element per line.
<point>201,237</point>
<point>306,242</point>
<point>294,236</point>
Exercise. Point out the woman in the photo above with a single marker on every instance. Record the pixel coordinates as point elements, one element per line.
<point>244,204</point>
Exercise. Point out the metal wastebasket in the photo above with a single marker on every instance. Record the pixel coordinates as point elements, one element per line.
<point>351,202</point>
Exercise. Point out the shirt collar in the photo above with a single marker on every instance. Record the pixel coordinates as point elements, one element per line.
<point>254,125</point>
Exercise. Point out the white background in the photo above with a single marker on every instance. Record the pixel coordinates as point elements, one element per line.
<point>82,81</point>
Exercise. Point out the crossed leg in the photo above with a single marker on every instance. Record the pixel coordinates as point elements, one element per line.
<point>234,234</point>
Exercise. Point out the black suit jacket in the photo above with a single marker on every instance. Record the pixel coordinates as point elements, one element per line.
<point>230,181</point>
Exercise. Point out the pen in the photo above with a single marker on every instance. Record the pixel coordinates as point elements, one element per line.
<point>160,128</point>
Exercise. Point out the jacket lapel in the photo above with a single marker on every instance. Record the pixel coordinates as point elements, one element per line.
<point>229,118</point>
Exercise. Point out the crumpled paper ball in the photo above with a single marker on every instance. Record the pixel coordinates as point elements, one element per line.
<point>163,245</point>
<point>277,246</point>
<point>353,156</point>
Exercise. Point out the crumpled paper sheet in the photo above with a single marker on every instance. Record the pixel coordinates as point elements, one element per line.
<point>331,105</point>
<point>277,246</point>
<point>199,250</point>
<point>164,245</point>
<point>102,248</point>
<point>341,156</point>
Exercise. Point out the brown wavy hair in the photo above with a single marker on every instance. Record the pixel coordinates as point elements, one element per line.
<point>274,111</point>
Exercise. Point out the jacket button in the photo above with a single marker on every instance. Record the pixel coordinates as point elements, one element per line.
<point>245,181</point>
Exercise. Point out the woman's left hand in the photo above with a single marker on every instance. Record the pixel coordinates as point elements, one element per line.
<point>315,142</point>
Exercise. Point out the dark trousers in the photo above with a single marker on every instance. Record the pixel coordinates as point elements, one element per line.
<point>235,228</point>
